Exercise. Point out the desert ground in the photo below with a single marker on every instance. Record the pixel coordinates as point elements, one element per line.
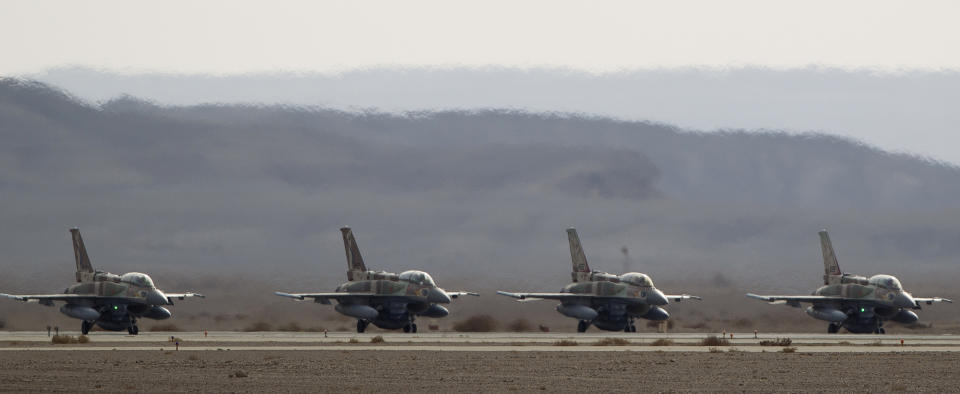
<point>419,371</point>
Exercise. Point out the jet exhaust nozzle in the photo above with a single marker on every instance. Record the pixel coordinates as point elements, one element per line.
<point>657,314</point>
<point>156,297</point>
<point>905,317</point>
<point>435,311</point>
<point>80,312</point>
<point>438,296</point>
<point>581,312</point>
<point>904,300</point>
<point>828,314</point>
<point>357,311</point>
<point>157,313</point>
<point>656,297</point>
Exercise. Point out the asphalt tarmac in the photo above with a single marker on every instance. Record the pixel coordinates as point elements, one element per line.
<point>480,342</point>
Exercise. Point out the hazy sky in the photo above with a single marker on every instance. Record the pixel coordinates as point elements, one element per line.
<point>244,36</point>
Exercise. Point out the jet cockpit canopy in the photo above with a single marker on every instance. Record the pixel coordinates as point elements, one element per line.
<point>418,277</point>
<point>637,279</point>
<point>886,282</point>
<point>137,279</point>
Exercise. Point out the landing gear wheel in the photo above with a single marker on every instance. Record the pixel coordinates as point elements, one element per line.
<point>85,327</point>
<point>633,328</point>
<point>413,328</point>
<point>361,326</point>
<point>882,331</point>
<point>833,329</point>
<point>582,326</point>
<point>133,329</point>
<point>406,328</point>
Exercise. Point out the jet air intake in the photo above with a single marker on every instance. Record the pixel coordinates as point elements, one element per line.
<point>828,314</point>
<point>577,312</point>
<point>905,317</point>
<point>80,312</point>
<point>157,313</point>
<point>656,313</point>
<point>435,311</point>
<point>357,311</point>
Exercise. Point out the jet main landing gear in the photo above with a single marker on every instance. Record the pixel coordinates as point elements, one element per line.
<point>582,326</point>
<point>85,327</point>
<point>361,326</point>
<point>630,327</point>
<point>833,328</point>
<point>410,328</point>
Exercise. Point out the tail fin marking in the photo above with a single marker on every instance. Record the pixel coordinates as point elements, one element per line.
<point>830,265</point>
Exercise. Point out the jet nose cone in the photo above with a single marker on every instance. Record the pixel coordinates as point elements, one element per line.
<point>438,296</point>
<point>656,297</point>
<point>904,300</point>
<point>156,297</point>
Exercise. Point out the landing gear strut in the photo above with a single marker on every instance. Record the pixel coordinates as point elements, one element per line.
<point>133,329</point>
<point>410,328</point>
<point>361,326</point>
<point>85,327</point>
<point>582,326</point>
<point>879,329</point>
<point>630,327</point>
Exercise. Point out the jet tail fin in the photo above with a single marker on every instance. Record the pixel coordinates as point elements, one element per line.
<point>355,263</point>
<point>830,265</point>
<point>80,254</point>
<point>581,270</point>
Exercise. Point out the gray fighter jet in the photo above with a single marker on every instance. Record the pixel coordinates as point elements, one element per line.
<point>856,303</point>
<point>387,300</point>
<point>113,302</point>
<point>610,302</point>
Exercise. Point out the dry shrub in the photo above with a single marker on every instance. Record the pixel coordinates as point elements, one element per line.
<point>612,342</point>
<point>778,342</point>
<point>477,323</point>
<point>173,339</point>
<point>876,343</point>
<point>565,342</point>
<point>377,339</point>
<point>63,339</point>
<point>714,340</point>
<point>83,339</point>
<point>662,342</point>
<point>290,327</point>
<point>789,349</point>
<point>520,325</point>
<point>844,343</point>
<point>714,350</point>
<point>354,340</point>
<point>258,326</point>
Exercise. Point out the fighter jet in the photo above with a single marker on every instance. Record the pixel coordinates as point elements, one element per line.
<point>608,301</point>
<point>856,303</point>
<point>387,300</point>
<point>113,302</point>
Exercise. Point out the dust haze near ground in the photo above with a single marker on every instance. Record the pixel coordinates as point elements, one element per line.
<point>237,201</point>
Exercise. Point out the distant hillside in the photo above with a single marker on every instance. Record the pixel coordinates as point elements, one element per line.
<point>482,194</point>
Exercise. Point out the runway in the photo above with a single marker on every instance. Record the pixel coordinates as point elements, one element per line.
<point>477,342</point>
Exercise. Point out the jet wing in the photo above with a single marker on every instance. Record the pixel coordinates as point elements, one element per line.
<point>182,296</point>
<point>681,297</point>
<point>324,298</point>
<point>455,294</point>
<point>931,300</point>
<point>796,300</point>
<point>542,296</point>
<point>48,299</point>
